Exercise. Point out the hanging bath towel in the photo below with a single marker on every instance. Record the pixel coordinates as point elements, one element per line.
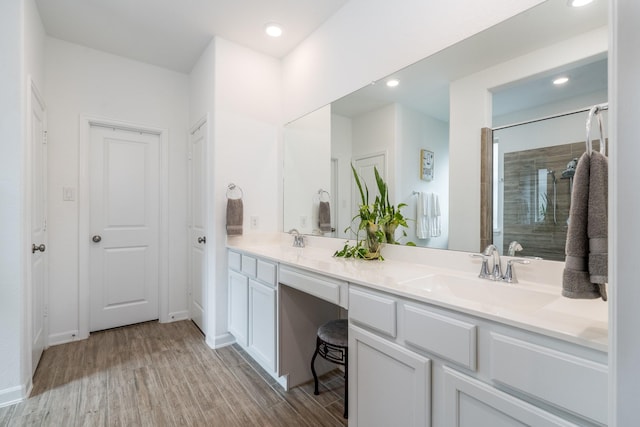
<point>324,217</point>
<point>234,217</point>
<point>576,282</point>
<point>597,227</point>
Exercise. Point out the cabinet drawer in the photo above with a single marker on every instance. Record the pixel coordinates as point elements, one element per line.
<point>373,310</point>
<point>267,273</point>
<point>234,260</point>
<point>321,287</point>
<point>249,265</point>
<point>452,339</point>
<point>560,379</point>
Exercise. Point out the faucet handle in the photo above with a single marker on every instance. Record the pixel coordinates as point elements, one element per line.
<point>484,269</point>
<point>510,273</point>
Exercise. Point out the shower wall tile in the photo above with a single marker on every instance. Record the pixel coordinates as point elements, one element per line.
<point>540,235</point>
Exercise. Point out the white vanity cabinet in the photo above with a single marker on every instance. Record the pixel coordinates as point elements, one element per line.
<point>388,384</point>
<point>422,365</point>
<point>252,307</point>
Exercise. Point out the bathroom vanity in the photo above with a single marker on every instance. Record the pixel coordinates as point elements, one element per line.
<point>430,344</point>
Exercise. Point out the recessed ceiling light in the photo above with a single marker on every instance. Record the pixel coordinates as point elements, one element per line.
<point>578,3</point>
<point>273,30</point>
<point>560,81</point>
<point>393,83</point>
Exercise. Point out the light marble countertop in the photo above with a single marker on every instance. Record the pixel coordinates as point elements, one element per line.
<point>449,279</point>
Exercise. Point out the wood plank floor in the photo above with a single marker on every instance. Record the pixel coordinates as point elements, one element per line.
<point>154,374</point>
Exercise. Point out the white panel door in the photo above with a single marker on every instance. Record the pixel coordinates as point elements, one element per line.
<point>38,192</point>
<point>197,225</point>
<point>123,266</point>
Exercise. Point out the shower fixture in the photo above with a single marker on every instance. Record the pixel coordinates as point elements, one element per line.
<point>571,169</point>
<point>555,197</point>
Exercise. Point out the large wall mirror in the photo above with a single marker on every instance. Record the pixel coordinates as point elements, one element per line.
<point>493,79</point>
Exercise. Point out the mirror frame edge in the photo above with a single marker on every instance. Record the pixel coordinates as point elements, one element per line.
<point>486,187</point>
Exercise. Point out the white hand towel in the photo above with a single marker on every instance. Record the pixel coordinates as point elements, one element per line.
<point>432,215</point>
<point>422,228</point>
<point>438,223</point>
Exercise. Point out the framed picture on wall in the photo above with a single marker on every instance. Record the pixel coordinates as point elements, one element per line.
<point>427,160</point>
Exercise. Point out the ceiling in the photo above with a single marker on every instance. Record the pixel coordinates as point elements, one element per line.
<point>173,33</point>
<point>424,85</point>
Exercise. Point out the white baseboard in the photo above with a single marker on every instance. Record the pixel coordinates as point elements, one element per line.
<point>220,340</point>
<point>178,315</point>
<point>64,337</point>
<point>12,395</point>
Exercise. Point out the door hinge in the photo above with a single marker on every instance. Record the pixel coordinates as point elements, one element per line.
<point>44,137</point>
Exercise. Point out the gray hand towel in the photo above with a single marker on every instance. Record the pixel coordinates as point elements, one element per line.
<point>597,230</point>
<point>234,217</point>
<point>324,217</point>
<point>575,277</point>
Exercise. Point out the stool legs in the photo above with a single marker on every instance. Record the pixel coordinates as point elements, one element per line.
<point>313,368</point>
<point>346,373</point>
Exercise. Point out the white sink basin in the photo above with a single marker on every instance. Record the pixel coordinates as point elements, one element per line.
<point>490,295</point>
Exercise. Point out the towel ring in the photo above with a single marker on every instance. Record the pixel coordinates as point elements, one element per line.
<point>231,188</point>
<point>321,193</point>
<point>595,111</point>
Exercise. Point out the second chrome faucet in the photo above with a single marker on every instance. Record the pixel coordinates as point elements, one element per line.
<point>495,271</point>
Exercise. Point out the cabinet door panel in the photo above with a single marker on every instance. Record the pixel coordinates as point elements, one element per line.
<point>238,306</point>
<point>471,403</point>
<point>262,323</point>
<point>388,385</point>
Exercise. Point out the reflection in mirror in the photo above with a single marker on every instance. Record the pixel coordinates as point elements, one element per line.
<point>534,159</point>
<point>435,98</point>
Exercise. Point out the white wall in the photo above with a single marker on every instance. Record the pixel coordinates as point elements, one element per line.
<point>374,133</point>
<point>418,131</point>
<point>368,39</point>
<point>307,147</point>
<point>241,90</point>
<point>79,81</point>
<point>470,110</point>
<point>341,148</point>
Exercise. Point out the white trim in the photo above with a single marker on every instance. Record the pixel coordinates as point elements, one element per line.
<point>220,341</point>
<point>178,315</point>
<point>86,121</point>
<point>63,337</point>
<point>12,395</point>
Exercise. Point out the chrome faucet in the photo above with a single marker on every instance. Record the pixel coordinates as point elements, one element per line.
<point>496,269</point>
<point>298,239</point>
<point>514,247</point>
<point>510,273</point>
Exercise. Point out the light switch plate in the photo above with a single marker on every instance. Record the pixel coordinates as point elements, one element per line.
<point>68,194</point>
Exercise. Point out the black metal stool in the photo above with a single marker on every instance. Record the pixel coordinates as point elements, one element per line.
<point>332,344</point>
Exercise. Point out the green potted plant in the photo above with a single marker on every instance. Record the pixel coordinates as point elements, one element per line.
<point>378,220</point>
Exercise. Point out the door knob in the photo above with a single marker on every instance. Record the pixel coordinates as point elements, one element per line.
<point>35,248</point>
<point>202,239</point>
<point>97,238</point>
